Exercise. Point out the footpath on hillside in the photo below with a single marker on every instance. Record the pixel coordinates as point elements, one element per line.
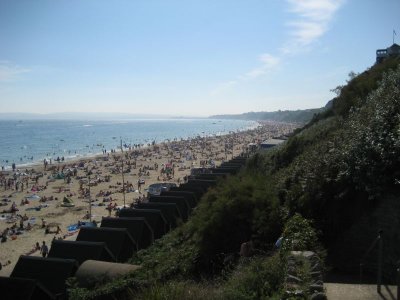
<point>339,287</point>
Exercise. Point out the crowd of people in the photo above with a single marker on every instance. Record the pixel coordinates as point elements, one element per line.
<point>102,183</point>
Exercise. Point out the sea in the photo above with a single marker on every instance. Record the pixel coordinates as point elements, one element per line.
<point>28,142</point>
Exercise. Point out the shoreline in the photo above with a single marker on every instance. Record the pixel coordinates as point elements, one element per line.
<point>80,156</point>
<point>182,155</point>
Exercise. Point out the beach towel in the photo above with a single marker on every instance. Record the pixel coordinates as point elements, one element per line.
<point>72,227</point>
<point>32,221</point>
<point>75,227</point>
<point>30,208</point>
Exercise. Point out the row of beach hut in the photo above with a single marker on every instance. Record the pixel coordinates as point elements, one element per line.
<point>102,251</point>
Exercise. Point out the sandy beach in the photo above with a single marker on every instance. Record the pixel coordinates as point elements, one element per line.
<point>45,188</point>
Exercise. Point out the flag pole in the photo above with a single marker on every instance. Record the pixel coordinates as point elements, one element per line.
<point>122,171</point>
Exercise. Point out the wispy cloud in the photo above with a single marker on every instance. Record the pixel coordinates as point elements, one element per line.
<point>310,20</point>
<point>268,62</point>
<point>222,87</point>
<point>10,71</point>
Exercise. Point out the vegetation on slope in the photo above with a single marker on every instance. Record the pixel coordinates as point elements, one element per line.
<point>342,168</point>
<point>288,116</point>
<point>341,171</point>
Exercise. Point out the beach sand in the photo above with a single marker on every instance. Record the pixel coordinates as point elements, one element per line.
<point>184,155</point>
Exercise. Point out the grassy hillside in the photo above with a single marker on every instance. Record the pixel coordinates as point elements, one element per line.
<point>343,168</point>
<point>341,172</point>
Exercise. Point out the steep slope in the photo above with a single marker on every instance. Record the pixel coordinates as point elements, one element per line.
<point>342,170</point>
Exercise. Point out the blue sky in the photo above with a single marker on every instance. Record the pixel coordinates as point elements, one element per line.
<point>185,57</point>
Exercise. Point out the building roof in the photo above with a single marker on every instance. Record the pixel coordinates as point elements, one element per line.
<point>273,142</point>
<point>118,240</point>
<point>393,50</point>
<point>80,250</point>
<point>169,210</point>
<point>137,227</point>
<point>189,196</point>
<point>154,217</point>
<point>181,203</point>
<point>50,272</point>
<point>23,289</point>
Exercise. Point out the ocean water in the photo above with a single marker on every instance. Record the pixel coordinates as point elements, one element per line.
<point>25,142</point>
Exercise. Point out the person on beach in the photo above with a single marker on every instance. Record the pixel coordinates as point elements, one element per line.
<point>44,250</point>
<point>109,208</point>
<point>149,160</point>
<point>37,246</point>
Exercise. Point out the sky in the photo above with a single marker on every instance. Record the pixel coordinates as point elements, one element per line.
<point>185,57</point>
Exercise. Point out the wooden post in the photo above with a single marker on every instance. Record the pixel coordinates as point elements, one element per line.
<point>122,171</point>
<point>398,280</point>
<point>90,202</point>
<point>380,261</point>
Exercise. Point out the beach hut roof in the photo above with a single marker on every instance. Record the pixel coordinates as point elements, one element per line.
<point>138,228</point>
<point>202,182</point>
<point>272,142</point>
<point>23,289</point>
<point>80,250</point>
<point>233,165</point>
<point>154,217</point>
<point>118,240</point>
<point>169,210</point>
<point>50,272</point>
<point>227,169</point>
<point>181,203</point>
<point>198,190</point>
<point>190,197</point>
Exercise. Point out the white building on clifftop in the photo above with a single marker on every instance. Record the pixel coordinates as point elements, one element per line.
<point>391,51</point>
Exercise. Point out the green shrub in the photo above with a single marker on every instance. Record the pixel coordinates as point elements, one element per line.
<point>121,288</point>
<point>299,235</point>
<point>256,278</point>
<point>182,290</point>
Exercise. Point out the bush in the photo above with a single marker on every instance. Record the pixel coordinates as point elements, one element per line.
<point>257,278</point>
<point>182,290</point>
<point>299,235</point>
